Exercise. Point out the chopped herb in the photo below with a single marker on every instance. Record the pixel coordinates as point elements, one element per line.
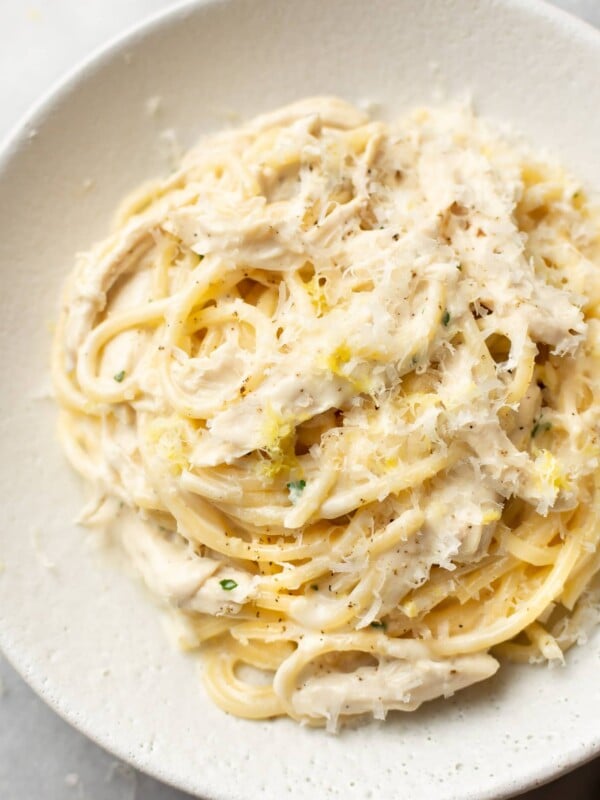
<point>200,256</point>
<point>228,584</point>
<point>377,624</point>
<point>295,488</point>
<point>445,318</point>
<point>459,267</point>
<point>540,427</point>
<point>314,587</point>
<point>119,376</point>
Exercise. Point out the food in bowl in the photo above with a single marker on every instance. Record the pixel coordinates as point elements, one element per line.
<point>333,387</point>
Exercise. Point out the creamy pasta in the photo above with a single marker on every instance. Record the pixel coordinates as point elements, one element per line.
<point>334,387</point>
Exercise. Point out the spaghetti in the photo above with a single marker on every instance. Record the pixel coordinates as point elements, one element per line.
<point>334,386</point>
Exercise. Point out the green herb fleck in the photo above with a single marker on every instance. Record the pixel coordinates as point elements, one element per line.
<point>295,488</point>
<point>119,376</point>
<point>459,267</point>
<point>377,624</point>
<point>200,257</point>
<point>445,318</point>
<point>228,584</point>
<point>540,427</point>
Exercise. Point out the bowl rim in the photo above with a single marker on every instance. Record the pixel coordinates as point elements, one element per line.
<point>575,28</point>
<point>73,76</point>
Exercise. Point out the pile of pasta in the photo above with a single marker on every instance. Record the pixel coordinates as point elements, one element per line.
<point>333,385</point>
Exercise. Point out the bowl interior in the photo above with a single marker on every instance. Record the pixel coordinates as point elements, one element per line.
<point>83,634</point>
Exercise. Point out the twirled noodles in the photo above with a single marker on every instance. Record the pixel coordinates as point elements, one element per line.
<point>334,386</point>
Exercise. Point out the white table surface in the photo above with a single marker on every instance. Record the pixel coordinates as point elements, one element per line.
<point>41,757</point>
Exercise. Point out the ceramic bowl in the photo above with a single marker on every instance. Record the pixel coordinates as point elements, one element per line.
<point>86,636</point>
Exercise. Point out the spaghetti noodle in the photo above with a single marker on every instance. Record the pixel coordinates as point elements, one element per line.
<point>334,385</point>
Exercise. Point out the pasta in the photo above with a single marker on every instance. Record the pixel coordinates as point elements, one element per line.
<point>333,387</point>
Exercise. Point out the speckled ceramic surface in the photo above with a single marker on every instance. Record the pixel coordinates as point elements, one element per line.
<point>86,637</point>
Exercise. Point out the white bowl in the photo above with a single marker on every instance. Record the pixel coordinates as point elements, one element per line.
<point>81,632</point>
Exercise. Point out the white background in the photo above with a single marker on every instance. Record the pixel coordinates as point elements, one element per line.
<point>42,758</point>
